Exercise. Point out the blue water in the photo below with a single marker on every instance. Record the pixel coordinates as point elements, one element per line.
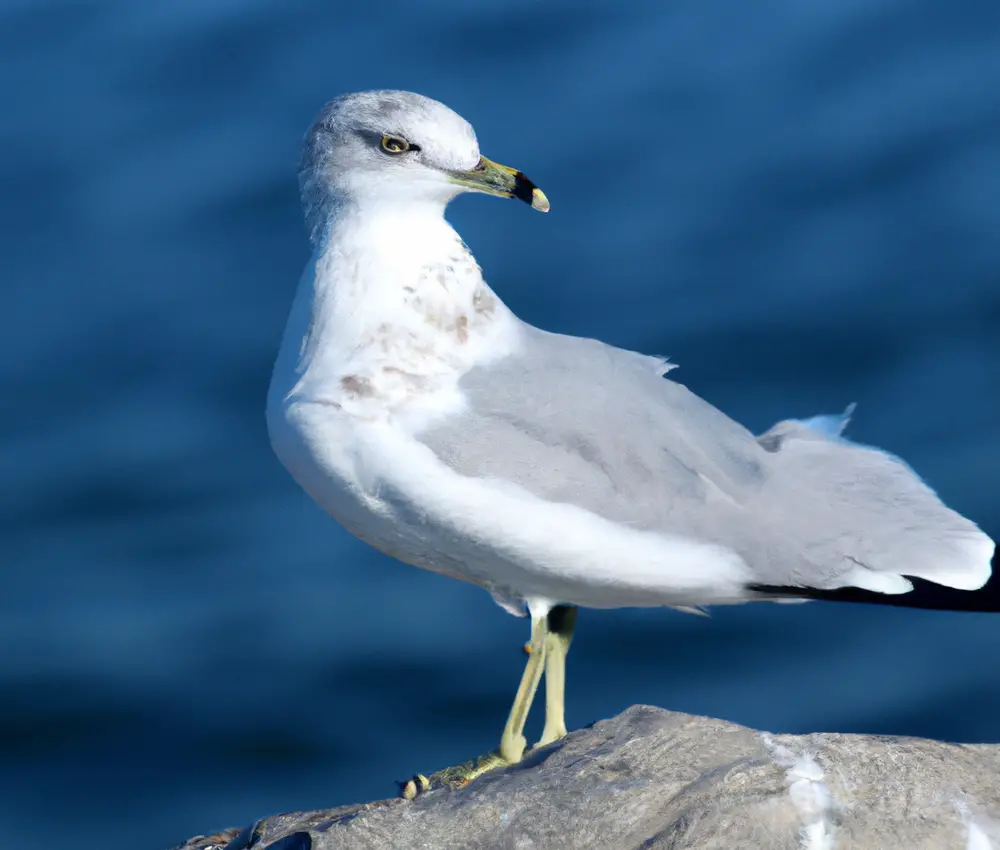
<point>798,202</point>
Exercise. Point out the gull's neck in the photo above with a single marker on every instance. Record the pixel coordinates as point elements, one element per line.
<point>391,304</point>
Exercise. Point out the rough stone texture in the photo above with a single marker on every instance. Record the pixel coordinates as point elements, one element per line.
<point>658,779</point>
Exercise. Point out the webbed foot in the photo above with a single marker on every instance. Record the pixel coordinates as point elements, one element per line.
<point>452,777</point>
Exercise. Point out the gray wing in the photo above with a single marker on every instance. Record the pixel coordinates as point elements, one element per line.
<point>574,420</point>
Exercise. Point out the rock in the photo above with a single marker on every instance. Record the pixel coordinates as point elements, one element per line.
<point>661,780</point>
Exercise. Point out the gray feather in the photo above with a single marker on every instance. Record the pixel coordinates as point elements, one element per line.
<point>577,421</point>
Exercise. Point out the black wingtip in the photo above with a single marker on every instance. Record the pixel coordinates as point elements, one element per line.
<point>925,594</point>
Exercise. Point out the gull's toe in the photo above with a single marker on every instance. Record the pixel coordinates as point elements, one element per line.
<point>451,777</point>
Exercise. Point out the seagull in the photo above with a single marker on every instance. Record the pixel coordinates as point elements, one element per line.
<point>555,472</point>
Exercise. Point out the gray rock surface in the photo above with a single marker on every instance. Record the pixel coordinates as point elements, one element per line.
<point>651,778</point>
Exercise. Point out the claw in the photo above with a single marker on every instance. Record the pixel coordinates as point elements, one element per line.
<point>412,788</point>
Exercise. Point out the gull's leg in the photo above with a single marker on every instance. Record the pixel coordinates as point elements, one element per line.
<point>561,621</point>
<point>512,742</point>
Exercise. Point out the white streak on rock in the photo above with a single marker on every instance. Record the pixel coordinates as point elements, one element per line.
<point>809,794</point>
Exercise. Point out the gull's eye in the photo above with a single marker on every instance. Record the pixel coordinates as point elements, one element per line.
<point>396,144</point>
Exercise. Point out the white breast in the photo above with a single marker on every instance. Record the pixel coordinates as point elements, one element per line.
<point>377,337</point>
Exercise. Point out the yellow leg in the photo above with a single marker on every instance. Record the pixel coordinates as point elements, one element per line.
<point>561,621</point>
<point>512,743</point>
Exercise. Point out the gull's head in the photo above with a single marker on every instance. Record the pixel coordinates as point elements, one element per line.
<point>397,147</point>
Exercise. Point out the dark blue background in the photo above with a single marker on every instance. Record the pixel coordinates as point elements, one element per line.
<point>798,202</point>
